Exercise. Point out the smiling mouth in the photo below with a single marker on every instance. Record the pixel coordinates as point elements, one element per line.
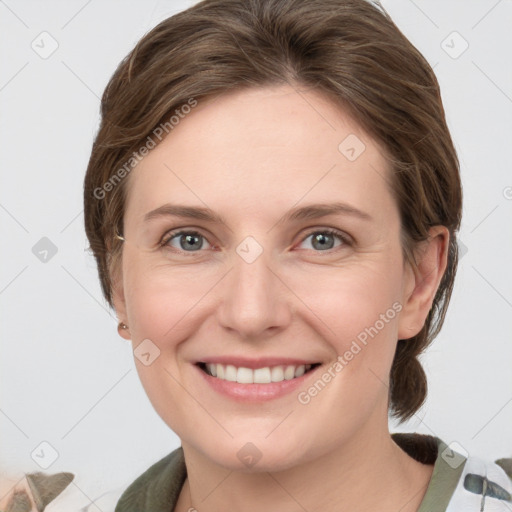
<point>265,375</point>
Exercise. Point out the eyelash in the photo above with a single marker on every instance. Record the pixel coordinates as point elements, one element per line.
<point>172,234</point>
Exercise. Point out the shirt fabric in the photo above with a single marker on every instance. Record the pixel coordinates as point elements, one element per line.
<point>459,483</point>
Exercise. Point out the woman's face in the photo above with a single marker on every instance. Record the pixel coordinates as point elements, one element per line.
<point>266,290</point>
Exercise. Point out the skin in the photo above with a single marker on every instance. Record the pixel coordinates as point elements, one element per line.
<point>251,156</point>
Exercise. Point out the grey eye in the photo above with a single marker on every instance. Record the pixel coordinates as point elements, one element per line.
<point>189,241</point>
<point>324,240</point>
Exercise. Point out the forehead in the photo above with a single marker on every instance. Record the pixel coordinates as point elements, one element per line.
<point>272,147</point>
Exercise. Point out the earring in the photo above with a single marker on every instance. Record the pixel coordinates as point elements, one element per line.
<point>122,325</point>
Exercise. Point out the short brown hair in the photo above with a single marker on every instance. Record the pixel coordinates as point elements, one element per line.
<point>351,51</point>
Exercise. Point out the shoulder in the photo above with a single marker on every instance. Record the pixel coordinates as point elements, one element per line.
<point>461,482</point>
<point>484,485</point>
<point>158,488</point>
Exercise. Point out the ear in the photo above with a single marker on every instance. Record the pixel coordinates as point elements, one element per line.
<point>119,301</point>
<point>420,284</point>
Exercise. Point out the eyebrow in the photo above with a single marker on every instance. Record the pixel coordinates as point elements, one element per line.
<point>311,211</point>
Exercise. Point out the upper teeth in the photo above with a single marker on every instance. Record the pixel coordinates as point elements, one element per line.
<point>257,376</point>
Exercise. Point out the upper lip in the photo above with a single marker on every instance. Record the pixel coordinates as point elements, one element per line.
<point>261,362</point>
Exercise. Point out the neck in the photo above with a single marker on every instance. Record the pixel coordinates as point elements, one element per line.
<point>370,472</point>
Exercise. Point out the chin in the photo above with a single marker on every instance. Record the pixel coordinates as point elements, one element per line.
<point>260,455</point>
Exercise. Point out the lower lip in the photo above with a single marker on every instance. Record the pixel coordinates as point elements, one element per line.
<point>254,392</point>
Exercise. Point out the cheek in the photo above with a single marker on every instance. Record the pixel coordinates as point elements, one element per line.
<point>159,297</point>
<point>355,310</point>
<point>348,300</point>
<point>160,305</point>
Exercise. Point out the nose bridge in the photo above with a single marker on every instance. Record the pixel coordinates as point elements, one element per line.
<point>252,298</point>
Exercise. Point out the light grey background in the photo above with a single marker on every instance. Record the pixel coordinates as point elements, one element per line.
<point>68,379</point>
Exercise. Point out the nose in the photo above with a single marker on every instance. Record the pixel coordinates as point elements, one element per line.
<point>254,299</point>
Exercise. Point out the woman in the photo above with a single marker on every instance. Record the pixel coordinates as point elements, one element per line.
<point>273,199</point>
